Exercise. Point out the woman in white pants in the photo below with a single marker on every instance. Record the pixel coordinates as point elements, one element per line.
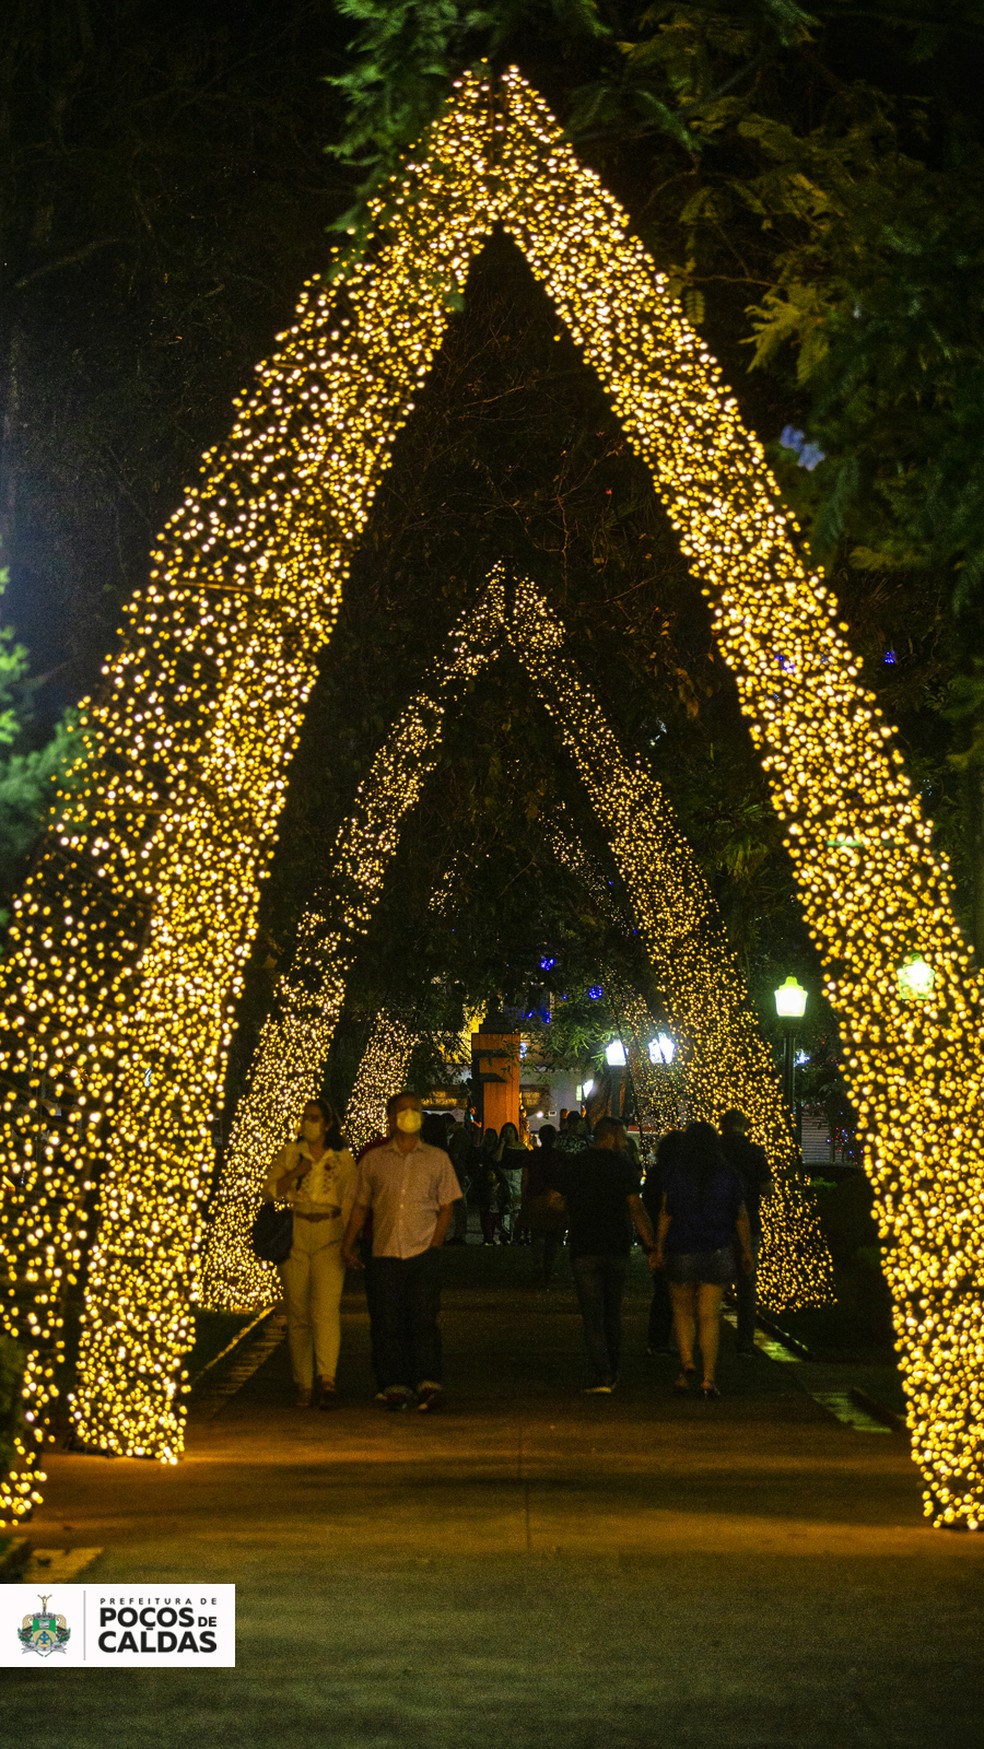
<point>316,1176</point>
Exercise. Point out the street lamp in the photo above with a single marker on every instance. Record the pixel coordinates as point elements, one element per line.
<point>615,1058</point>
<point>661,1049</point>
<point>790,1007</point>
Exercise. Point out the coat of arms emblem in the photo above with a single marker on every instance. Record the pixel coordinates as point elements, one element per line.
<point>44,1632</point>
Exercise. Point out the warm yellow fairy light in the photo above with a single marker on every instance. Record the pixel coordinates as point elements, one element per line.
<point>658,1090</point>
<point>297,1034</point>
<point>870,885</point>
<point>381,1072</point>
<point>723,1057</point>
<point>128,945</point>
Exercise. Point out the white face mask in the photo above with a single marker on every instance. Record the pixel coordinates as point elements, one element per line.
<point>409,1122</point>
<point>311,1129</point>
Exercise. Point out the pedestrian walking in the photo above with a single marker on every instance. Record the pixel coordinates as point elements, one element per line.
<point>544,1211</point>
<point>462,1151</point>
<point>316,1175</point>
<point>702,1219</point>
<point>752,1167</point>
<point>511,1159</point>
<point>490,1191</point>
<point>660,1327</point>
<point>572,1138</point>
<point>410,1189</point>
<point>602,1193</point>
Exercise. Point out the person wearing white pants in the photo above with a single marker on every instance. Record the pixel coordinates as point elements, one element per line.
<point>316,1176</point>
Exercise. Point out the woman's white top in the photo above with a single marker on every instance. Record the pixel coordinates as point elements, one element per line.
<point>328,1187</point>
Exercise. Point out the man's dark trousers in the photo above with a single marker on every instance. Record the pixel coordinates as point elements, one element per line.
<point>407,1296</point>
<point>600,1284</point>
<point>745,1300</point>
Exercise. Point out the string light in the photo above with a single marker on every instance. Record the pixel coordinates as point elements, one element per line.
<point>723,1057</point>
<point>127,948</point>
<point>381,1072</point>
<point>724,1060</point>
<point>297,1034</point>
<point>869,882</point>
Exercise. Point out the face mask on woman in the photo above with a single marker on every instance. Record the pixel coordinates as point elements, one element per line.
<point>409,1122</point>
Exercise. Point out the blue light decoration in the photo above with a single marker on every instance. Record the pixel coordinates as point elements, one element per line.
<point>595,993</point>
<point>890,658</point>
<point>808,455</point>
<point>547,963</point>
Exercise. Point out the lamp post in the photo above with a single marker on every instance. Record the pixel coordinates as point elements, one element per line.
<point>790,1007</point>
<point>615,1058</point>
<point>661,1050</point>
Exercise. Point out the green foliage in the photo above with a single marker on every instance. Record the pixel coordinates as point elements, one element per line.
<point>27,772</point>
<point>405,54</point>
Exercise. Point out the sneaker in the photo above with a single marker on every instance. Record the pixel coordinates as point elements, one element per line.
<point>597,1390</point>
<point>398,1397</point>
<point>430,1396</point>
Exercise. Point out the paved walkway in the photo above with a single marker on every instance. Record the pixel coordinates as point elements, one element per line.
<point>533,1567</point>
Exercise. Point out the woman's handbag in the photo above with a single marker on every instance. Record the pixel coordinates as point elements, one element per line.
<point>272,1233</point>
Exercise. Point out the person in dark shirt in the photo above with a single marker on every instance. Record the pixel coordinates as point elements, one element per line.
<point>752,1167</point>
<point>544,1213</point>
<point>702,1218</point>
<point>601,1190</point>
<point>462,1150</point>
<point>489,1188</point>
<point>572,1139</point>
<point>511,1160</point>
<point>661,1308</point>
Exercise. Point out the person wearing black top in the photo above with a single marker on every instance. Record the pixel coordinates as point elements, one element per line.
<point>702,1220</point>
<point>511,1160</point>
<point>752,1167</point>
<point>544,1214</point>
<point>601,1190</point>
<point>488,1186</point>
<point>661,1308</point>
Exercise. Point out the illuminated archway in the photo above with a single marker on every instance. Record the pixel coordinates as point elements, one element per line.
<point>127,948</point>
<point>726,1060</point>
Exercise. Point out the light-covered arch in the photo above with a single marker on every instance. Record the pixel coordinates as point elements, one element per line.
<point>724,1058</point>
<point>127,948</point>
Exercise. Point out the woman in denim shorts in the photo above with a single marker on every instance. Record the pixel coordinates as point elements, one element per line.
<point>702,1222</point>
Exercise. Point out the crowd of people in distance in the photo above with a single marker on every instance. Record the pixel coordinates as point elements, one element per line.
<point>696,1213</point>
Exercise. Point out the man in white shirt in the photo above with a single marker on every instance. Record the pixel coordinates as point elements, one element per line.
<point>411,1190</point>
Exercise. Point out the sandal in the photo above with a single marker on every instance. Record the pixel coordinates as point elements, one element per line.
<point>688,1375</point>
<point>709,1391</point>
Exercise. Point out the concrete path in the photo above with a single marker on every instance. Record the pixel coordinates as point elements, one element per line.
<point>533,1567</point>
